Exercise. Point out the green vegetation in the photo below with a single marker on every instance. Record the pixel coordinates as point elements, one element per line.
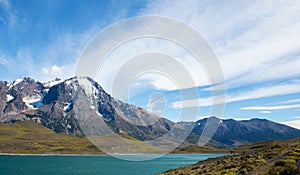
<point>272,157</point>
<point>28,137</point>
<point>288,165</point>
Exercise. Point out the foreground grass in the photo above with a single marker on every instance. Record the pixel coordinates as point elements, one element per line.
<point>272,157</point>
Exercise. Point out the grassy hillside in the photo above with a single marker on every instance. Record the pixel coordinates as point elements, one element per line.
<point>272,157</point>
<point>28,137</point>
<point>31,138</point>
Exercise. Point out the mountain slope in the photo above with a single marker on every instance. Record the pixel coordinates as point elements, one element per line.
<point>233,133</point>
<point>28,137</point>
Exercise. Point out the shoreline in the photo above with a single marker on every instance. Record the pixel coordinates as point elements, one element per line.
<point>21,154</point>
<point>49,154</point>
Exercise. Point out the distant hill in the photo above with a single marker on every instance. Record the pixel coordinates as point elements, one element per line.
<point>231,133</point>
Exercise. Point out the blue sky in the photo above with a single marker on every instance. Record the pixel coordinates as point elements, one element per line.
<point>256,43</point>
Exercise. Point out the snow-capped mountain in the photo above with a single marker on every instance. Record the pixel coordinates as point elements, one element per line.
<point>55,105</point>
<point>19,96</point>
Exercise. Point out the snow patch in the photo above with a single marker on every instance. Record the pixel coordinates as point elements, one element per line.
<point>9,97</point>
<point>72,84</point>
<point>49,84</point>
<point>11,85</point>
<point>33,102</point>
<point>89,87</point>
<point>17,81</point>
<point>69,126</point>
<point>68,82</point>
<point>68,107</point>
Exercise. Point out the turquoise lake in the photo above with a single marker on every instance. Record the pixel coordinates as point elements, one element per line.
<point>86,165</point>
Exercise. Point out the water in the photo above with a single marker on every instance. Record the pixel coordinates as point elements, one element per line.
<point>86,165</point>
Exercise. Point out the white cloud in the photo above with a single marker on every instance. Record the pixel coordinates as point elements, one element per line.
<point>293,123</point>
<point>271,108</point>
<point>255,41</point>
<point>225,118</point>
<point>57,59</point>
<point>4,59</point>
<point>296,117</point>
<point>245,95</point>
<point>266,92</point>
<point>289,101</point>
<point>265,112</point>
<point>203,117</point>
<point>142,46</point>
<point>240,119</point>
<point>53,70</point>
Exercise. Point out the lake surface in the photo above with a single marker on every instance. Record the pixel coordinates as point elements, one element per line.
<point>86,165</point>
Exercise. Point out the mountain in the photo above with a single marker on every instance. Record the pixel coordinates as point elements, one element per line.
<point>79,106</point>
<point>55,105</point>
<point>232,133</point>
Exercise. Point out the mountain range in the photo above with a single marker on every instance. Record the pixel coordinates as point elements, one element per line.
<point>56,105</point>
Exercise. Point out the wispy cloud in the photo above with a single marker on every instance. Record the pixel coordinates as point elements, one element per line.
<point>4,59</point>
<point>289,101</point>
<point>8,17</point>
<point>292,123</point>
<point>56,60</point>
<point>255,41</point>
<point>258,93</point>
<point>271,108</point>
<point>265,112</point>
<point>5,3</point>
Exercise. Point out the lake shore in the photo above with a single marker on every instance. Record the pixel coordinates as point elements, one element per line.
<point>129,154</point>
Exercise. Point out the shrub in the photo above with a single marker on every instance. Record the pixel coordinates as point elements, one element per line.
<point>276,146</point>
<point>279,163</point>
<point>246,168</point>
<point>287,167</point>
